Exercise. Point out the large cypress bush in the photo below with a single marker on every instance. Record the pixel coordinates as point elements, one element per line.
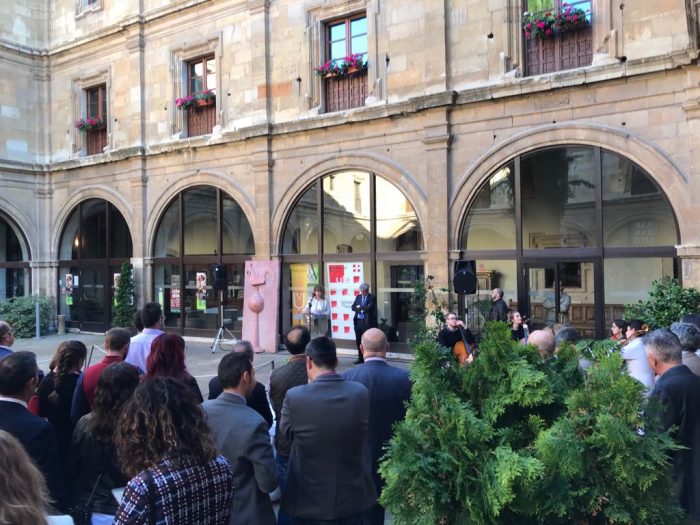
<point>124,297</point>
<point>513,440</point>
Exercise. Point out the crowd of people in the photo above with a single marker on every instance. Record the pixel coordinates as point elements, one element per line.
<point>130,440</point>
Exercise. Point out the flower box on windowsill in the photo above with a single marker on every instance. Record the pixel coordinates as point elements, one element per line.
<point>349,71</point>
<point>203,102</point>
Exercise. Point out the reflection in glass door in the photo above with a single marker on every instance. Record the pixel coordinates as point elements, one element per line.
<point>560,293</point>
<point>92,298</point>
<point>395,289</point>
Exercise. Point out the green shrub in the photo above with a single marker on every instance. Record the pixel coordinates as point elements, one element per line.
<point>667,302</point>
<point>20,313</point>
<point>124,297</point>
<point>514,440</point>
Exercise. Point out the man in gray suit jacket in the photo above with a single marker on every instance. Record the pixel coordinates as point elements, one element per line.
<point>241,434</point>
<point>389,390</point>
<point>329,470</point>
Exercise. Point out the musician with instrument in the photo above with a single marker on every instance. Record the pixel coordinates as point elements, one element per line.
<point>458,338</point>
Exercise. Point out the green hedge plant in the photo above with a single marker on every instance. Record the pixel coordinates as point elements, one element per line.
<point>20,313</point>
<point>667,302</point>
<point>514,440</point>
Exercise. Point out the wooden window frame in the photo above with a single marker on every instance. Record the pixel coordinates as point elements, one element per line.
<point>96,140</point>
<point>101,92</point>
<point>203,60</point>
<point>347,20</point>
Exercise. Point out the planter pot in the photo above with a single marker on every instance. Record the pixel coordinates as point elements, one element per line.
<point>348,72</point>
<point>203,102</point>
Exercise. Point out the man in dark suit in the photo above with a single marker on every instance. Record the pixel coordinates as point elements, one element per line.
<point>365,308</point>
<point>240,433</point>
<point>281,380</point>
<point>18,381</point>
<point>389,390</point>
<point>329,476</point>
<point>678,389</point>
<point>257,400</point>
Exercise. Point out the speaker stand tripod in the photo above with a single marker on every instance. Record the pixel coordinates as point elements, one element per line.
<point>223,330</point>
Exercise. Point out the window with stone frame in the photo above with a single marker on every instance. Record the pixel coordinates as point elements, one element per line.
<point>96,110</point>
<point>201,86</point>
<point>345,70</point>
<point>561,44</point>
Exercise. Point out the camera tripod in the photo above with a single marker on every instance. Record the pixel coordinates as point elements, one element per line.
<point>223,328</point>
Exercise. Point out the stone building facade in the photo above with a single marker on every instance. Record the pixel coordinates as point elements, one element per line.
<point>445,139</point>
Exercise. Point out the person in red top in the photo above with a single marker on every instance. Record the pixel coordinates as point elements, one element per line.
<point>116,347</point>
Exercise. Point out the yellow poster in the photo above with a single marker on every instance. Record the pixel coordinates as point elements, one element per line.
<point>304,278</point>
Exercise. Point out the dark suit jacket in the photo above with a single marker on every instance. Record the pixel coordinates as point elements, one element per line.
<point>679,391</point>
<point>389,390</point>
<point>257,400</point>
<point>329,468</point>
<point>282,379</point>
<point>370,309</point>
<point>41,443</point>
<point>241,435</point>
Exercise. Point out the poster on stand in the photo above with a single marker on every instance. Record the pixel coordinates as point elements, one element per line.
<point>304,277</point>
<point>201,291</point>
<point>344,281</point>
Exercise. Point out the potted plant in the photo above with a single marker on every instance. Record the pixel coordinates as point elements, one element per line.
<point>341,67</point>
<point>205,98</point>
<point>185,103</point>
<point>551,23</point>
<point>89,124</point>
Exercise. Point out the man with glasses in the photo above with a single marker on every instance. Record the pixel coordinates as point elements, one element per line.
<point>140,346</point>
<point>7,339</point>
<point>456,331</point>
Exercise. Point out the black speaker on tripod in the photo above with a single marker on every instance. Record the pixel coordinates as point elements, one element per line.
<point>220,278</point>
<point>464,280</point>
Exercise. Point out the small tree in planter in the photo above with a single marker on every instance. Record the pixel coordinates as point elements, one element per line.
<point>124,297</point>
<point>667,302</point>
<point>514,440</point>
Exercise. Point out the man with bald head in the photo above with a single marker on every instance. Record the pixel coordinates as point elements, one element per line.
<point>389,390</point>
<point>544,341</point>
<point>499,308</point>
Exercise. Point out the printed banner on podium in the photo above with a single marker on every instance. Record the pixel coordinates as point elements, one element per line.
<point>344,281</point>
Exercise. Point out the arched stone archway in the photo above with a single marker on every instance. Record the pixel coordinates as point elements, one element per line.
<point>648,156</point>
<point>367,162</point>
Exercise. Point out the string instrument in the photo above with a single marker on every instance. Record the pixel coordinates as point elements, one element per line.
<point>462,350</point>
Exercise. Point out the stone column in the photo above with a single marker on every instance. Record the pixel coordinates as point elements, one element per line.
<point>261,163</point>
<point>436,142</point>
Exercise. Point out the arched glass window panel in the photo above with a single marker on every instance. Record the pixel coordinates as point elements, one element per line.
<point>558,198</point>
<point>301,231</point>
<point>168,235</point>
<point>397,223</point>
<point>346,212</point>
<point>70,242</point>
<point>120,238</point>
<point>93,237</point>
<point>12,249</point>
<point>635,211</point>
<point>200,209</point>
<point>490,223</point>
<point>237,236</point>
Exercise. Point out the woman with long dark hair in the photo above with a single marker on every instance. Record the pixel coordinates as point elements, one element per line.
<point>163,441</point>
<point>55,392</point>
<point>518,329</point>
<point>635,356</point>
<point>618,329</point>
<point>167,359</point>
<point>95,467</point>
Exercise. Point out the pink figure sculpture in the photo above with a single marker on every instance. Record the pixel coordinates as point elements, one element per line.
<point>261,289</point>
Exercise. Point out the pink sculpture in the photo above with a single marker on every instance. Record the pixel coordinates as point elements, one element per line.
<point>262,304</point>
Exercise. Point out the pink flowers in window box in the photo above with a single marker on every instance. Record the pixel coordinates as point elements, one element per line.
<point>89,124</point>
<point>550,23</point>
<point>343,66</point>
<point>203,98</point>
